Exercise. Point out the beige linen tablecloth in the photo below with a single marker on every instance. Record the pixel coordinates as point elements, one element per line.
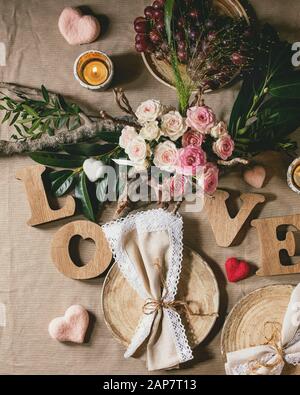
<point>31,288</point>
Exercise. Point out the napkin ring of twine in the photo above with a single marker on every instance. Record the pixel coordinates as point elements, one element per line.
<point>275,341</point>
<point>152,306</point>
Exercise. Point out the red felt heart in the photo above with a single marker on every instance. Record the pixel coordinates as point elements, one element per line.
<point>236,270</point>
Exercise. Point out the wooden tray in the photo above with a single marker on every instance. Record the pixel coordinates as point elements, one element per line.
<point>162,70</point>
<point>244,326</point>
<point>122,307</point>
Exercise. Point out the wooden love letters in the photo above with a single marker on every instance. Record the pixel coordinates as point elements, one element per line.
<point>41,213</point>
<point>270,246</point>
<point>60,250</point>
<point>224,227</point>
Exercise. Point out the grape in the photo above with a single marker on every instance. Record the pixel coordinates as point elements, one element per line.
<point>160,26</point>
<point>182,45</point>
<point>158,15</point>
<point>141,47</point>
<point>140,27</point>
<point>238,59</point>
<point>139,19</point>
<point>149,12</point>
<point>180,36</point>
<point>155,37</point>
<point>158,4</point>
<point>193,34</point>
<point>140,38</point>
<point>194,14</point>
<point>182,56</point>
<point>181,22</point>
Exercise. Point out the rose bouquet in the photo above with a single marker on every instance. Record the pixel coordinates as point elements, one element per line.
<point>186,147</point>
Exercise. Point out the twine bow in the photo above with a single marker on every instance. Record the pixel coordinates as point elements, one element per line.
<point>275,341</point>
<point>152,306</point>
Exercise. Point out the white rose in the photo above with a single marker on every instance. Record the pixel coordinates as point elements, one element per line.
<point>173,125</point>
<point>149,111</point>
<point>94,169</point>
<point>127,134</point>
<point>219,130</point>
<point>150,131</point>
<point>137,150</point>
<point>165,156</point>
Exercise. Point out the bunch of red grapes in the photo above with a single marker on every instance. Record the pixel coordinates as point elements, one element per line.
<point>213,47</point>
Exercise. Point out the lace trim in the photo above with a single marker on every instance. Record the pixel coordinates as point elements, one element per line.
<point>151,221</point>
<point>183,348</point>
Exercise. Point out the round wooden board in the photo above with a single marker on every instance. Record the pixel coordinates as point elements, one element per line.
<point>245,324</point>
<point>162,70</point>
<point>122,307</point>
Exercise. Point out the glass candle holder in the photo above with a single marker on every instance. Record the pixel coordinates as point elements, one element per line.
<point>94,70</point>
<point>293,176</point>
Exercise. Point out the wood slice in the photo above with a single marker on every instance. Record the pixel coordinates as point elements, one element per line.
<point>162,70</point>
<point>245,324</point>
<point>122,307</point>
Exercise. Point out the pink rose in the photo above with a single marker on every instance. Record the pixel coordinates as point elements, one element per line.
<point>128,133</point>
<point>189,159</point>
<point>175,187</point>
<point>210,178</point>
<point>137,150</point>
<point>224,147</point>
<point>192,138</point>
<point>165,156</point>
<point>201,119</point>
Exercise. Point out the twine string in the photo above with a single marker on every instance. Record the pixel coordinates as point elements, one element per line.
<point>152,306</point>
<point>275,341</point>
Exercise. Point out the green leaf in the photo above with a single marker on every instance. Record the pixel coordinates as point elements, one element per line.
<point>101,189</point>
<point>54,159</point>
<point>87,149</point>
<point>169,6</point>
<point>6,117</point>
<point>82,193</point>
<point>109,137</point>
<point>30,111</point>
<point>62,121</point>
<point>45,94</point>
<point>286,87</point>
<point>63,104</point>
<point>16,116</point>
<point>61,182</point>
<point>35,126</point>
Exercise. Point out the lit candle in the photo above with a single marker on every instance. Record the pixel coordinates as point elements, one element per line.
<point>94,70</point>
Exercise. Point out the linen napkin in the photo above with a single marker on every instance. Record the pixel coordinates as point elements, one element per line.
<point>282,347</point>
<point>148,249</point>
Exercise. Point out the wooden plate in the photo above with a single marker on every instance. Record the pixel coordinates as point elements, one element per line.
<point>245,324</point>
<point>162,70</point>
<point>122,307</point>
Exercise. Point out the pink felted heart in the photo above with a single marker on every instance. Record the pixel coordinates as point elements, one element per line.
<point>255,176</point>
<point>236,270</point>
<point>71,327</point>
<point>77,28</point>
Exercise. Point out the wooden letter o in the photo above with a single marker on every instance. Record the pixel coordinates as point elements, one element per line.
<point>60,250</point>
